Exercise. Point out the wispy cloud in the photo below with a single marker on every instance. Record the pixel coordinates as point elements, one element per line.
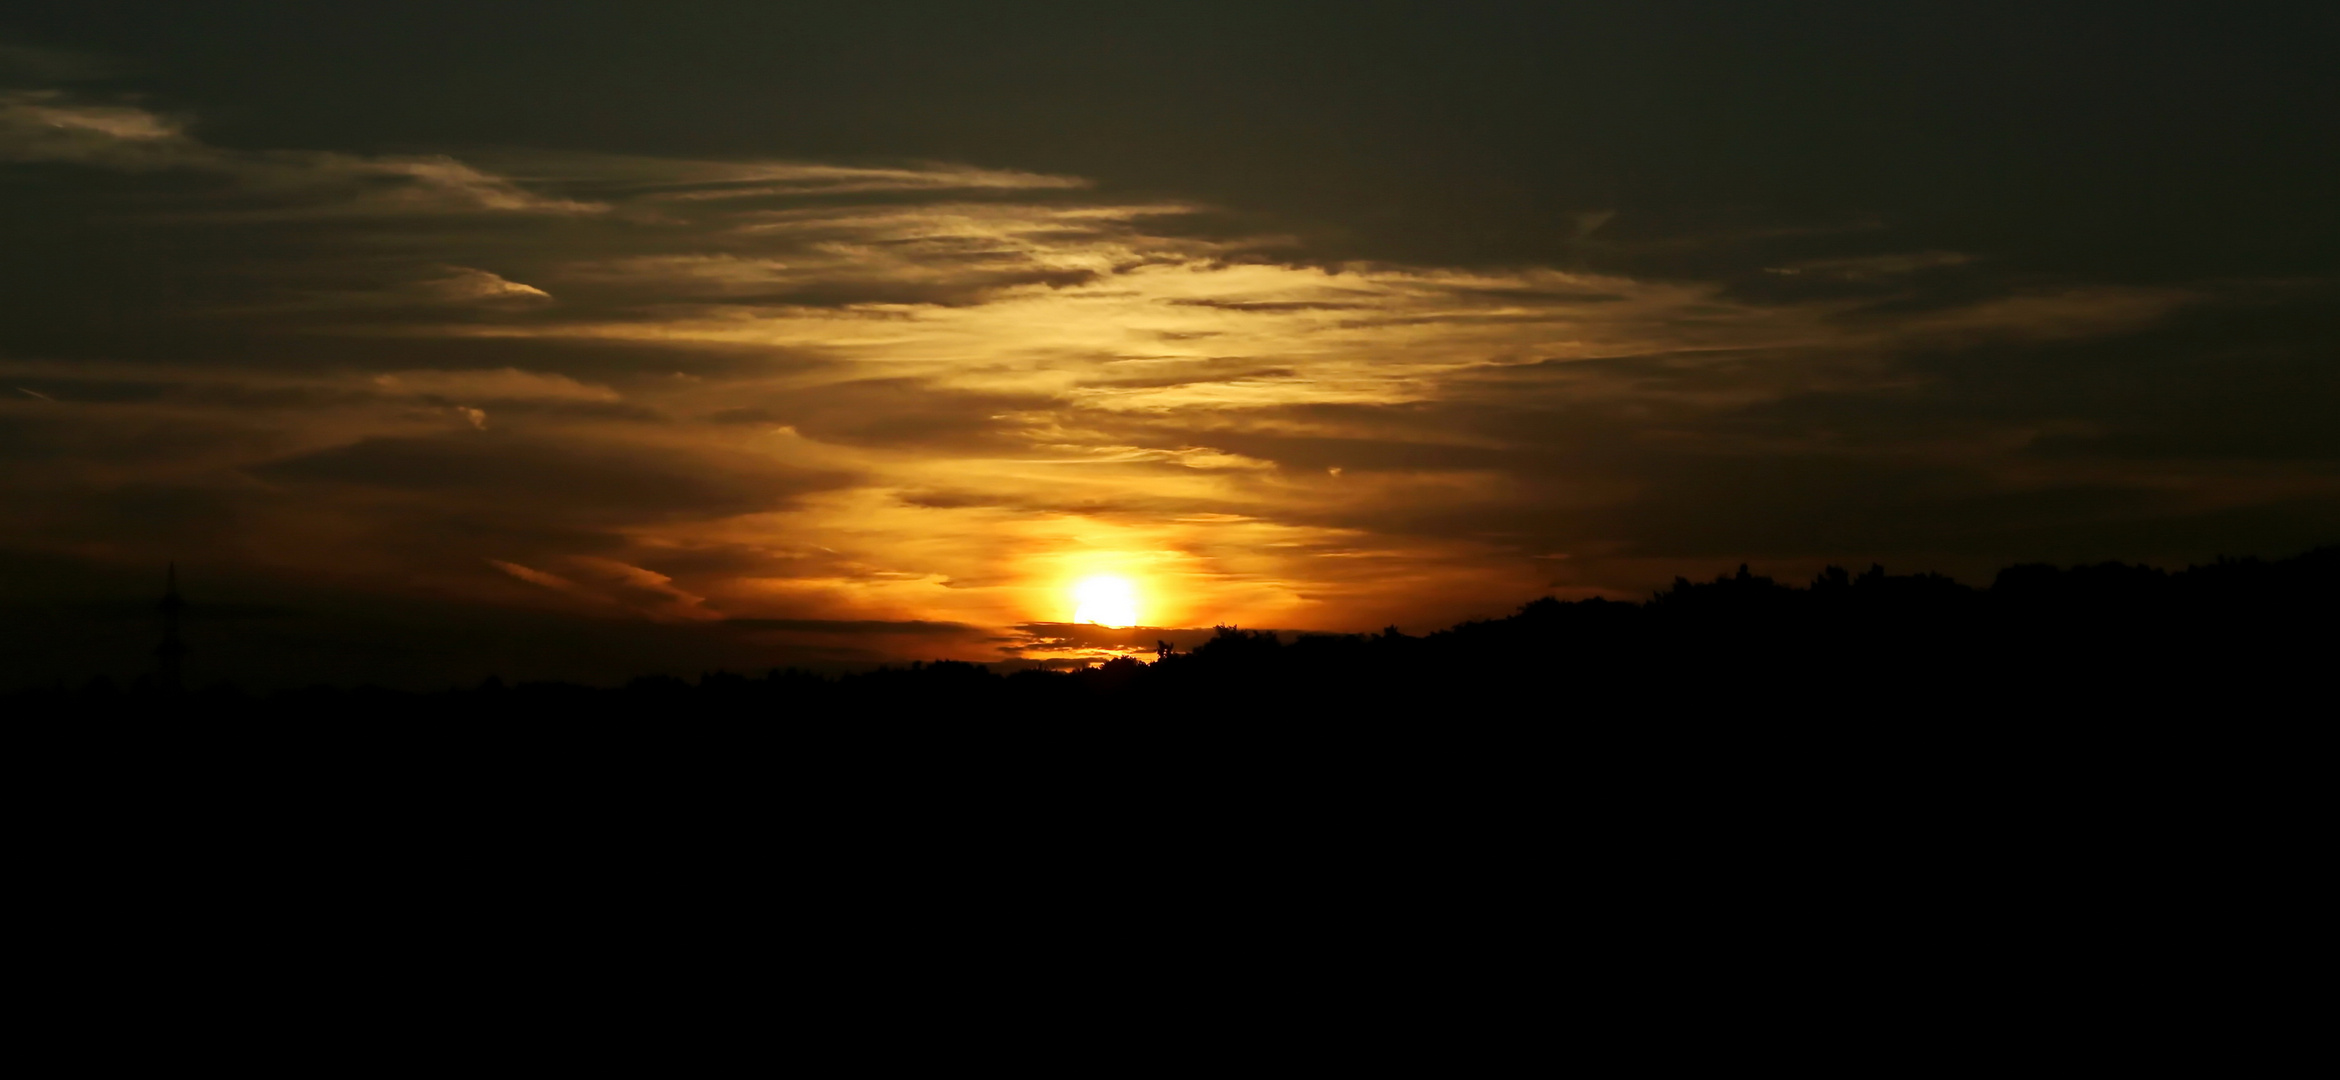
<point>500,384</point>
<point>935,395</point>
<point>463,284</point>
<point>50,126</point>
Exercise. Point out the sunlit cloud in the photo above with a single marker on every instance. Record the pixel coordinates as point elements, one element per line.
<point>800,395</point>
<point>503,384</point>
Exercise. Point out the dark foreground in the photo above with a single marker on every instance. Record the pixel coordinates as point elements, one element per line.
<point>1917,821</point>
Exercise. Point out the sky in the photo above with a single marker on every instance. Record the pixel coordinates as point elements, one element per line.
<point>583,340</point>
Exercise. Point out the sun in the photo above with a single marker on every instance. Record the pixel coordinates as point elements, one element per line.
<point>1106,601</point>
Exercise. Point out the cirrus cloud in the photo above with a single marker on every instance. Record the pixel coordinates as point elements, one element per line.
<point>820,394</point>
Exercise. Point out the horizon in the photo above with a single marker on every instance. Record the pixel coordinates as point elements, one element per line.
<point>1045,646</point>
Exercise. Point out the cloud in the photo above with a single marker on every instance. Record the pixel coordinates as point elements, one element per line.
<point>502,384</point>
<point>534,576</point>
<point>2065,313</point>
<point>862,408</point>
<point>857,627</point>
<point>544,479</point>
<point>762,180</point>
<point>50,126</point>
<point>47,126</point>
<point>466,285</point>
<point>431,183</point>
<point>610,583</point>
<point>667,178</point>
<point>1059,636</point>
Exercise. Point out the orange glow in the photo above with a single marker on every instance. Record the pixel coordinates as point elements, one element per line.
<point>1105,600</point>
<point>1007,410</point>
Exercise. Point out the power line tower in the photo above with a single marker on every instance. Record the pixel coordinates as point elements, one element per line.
<point>168,654</point>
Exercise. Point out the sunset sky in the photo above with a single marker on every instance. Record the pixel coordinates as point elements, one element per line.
<point>588,339</point>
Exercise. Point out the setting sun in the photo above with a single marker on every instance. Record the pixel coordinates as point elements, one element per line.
<point>1106,601</point>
